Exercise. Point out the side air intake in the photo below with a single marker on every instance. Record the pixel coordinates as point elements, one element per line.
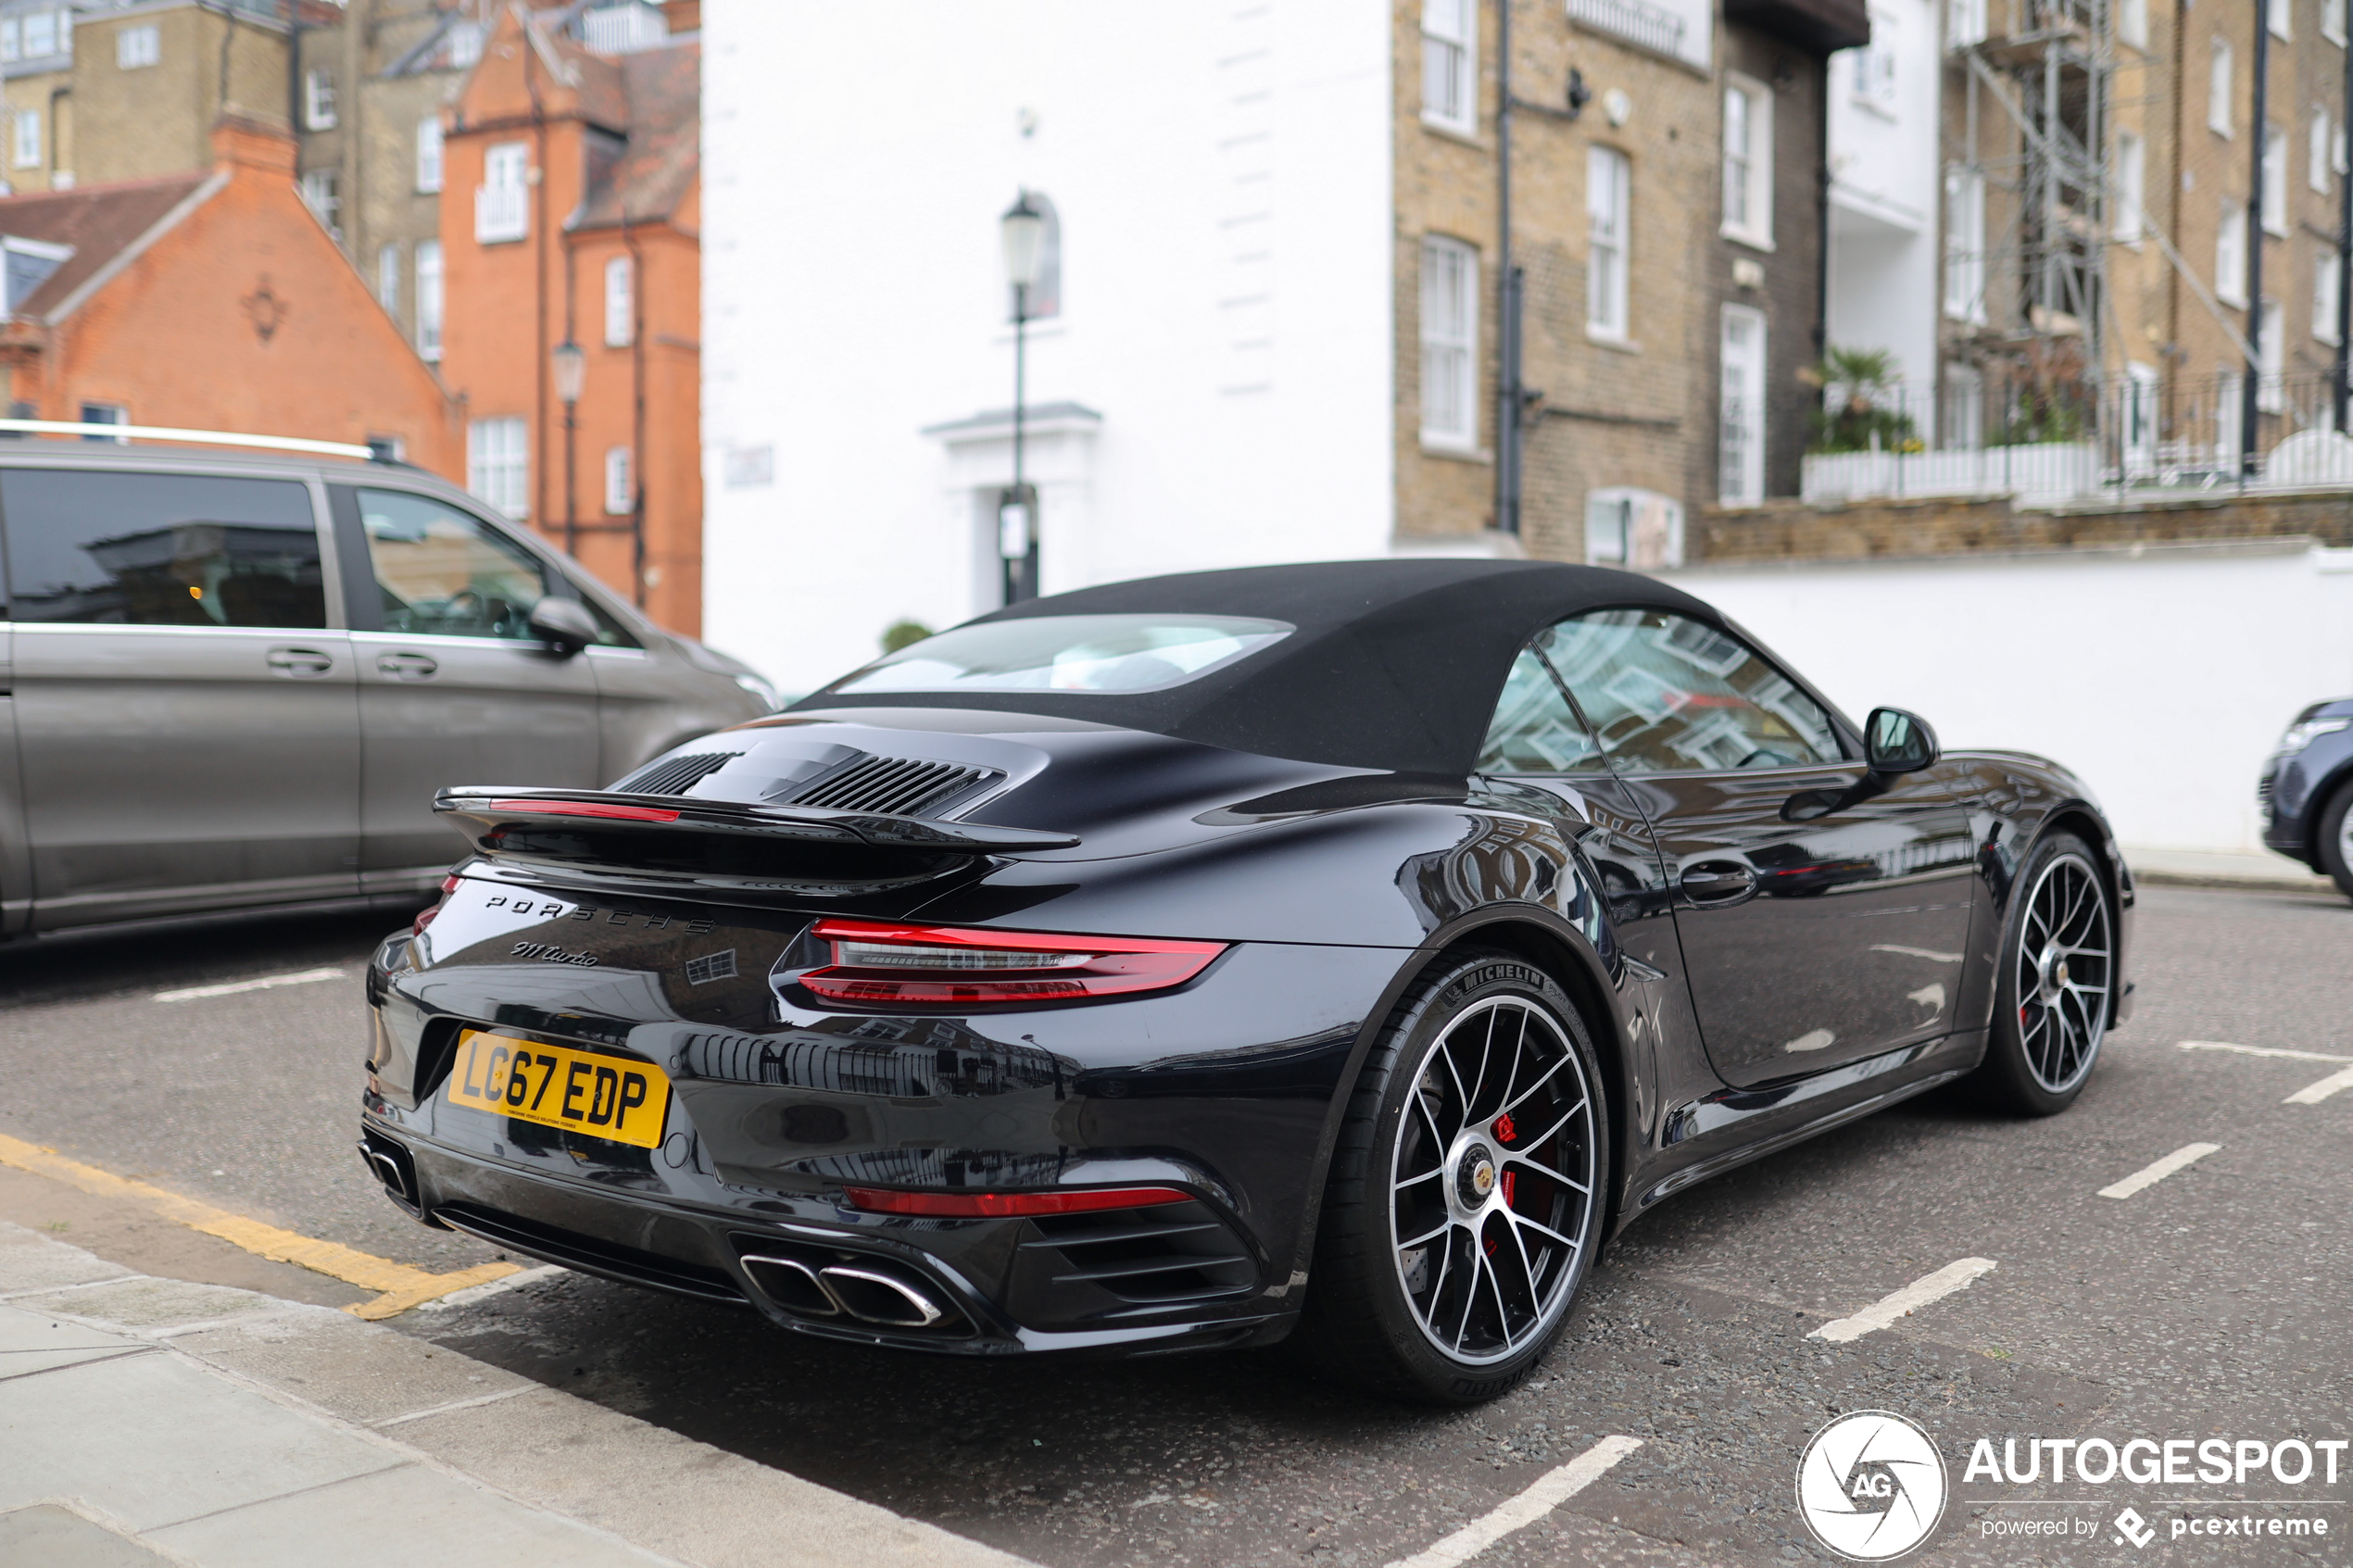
<point>678,775</point>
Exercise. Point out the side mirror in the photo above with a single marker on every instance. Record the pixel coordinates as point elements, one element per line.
<point>564,625</point>
<point>1897,742</point>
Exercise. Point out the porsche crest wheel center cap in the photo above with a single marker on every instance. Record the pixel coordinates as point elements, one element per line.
<point>1475,1176</point>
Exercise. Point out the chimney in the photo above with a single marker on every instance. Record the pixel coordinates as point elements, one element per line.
<point>247,141</point>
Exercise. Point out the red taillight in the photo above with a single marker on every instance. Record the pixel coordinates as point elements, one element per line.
<point>587,809</point>
<point>877,963</point>
<point>448,886</point>
<point>1007,1205</point>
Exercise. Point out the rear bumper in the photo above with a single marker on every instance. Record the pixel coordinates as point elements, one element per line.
<point>1225,1089</point>
<point>764,1263</point>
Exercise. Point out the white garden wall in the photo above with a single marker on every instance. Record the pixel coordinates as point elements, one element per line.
<point>2162,677</point>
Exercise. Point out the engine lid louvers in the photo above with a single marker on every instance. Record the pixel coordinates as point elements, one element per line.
<point>892,787</point>
<point>678,775</point>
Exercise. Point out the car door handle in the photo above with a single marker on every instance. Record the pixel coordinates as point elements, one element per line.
<point>407,666</point>
<point>300,661</point>
<point>1718,882</point>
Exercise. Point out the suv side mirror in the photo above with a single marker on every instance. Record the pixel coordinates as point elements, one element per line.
<point>1897,742</point>
<point>564,625</point>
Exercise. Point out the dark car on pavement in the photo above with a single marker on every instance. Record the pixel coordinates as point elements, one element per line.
<point>1336,952</point>
<point>235,682</point>
<point>2307,792</point>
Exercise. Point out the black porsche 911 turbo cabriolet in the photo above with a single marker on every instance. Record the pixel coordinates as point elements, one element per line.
<point>1341,952</point>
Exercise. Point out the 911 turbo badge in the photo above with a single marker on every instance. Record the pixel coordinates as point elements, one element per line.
<point>1348,952</point>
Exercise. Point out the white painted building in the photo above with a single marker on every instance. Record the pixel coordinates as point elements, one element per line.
<point>2162,675</point>
<point>1215,386</point>
<point>1885,180</point>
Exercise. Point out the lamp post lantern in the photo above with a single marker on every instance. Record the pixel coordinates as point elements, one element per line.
<point>1022,232</point>
<point>570,366</point>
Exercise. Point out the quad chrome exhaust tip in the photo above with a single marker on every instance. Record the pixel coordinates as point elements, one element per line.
<point>870,1294</point>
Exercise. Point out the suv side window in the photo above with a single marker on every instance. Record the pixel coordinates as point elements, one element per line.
<point>1535,731</point>
<point>448,574</point>
<point>445,573</point>
<point>1668,694</point>
<point>161,549</point>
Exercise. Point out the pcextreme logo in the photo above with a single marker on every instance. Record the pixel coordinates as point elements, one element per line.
<point>1870,1486</point>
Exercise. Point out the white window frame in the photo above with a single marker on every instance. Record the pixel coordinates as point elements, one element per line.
<point>2332,22</point>
<point>621,496</point>
<point>322,194</point>
<point>24,144</point>
<point>318,99</point>
<point>50,19</point>
<point>2230,254</point>
<point>1747,171</point>
<point>2222,64</point>
<point>106,414</point>
<point>430,155</point>
<point>1876,65</point>
<point>1450,64</point>
<point>1965,243</point>
<point>2132,22</point>
<point>621,302</point>
<point>11,40</point>
<point>1960,408</point>
<point>2324,285</point>
<point>1609,244</point>
<point>2280,16</point>
<point>1964,23</point>
<point>2132,187</point>
<point>136,48</point>
<point>2275,181</point>
<point>502,202</point>
<point>1450,309</point>
<point>429,299</point>
<point>2319,151</point>
<point>1739,413</point>
<point>388,276</point>
<point>498,464</point>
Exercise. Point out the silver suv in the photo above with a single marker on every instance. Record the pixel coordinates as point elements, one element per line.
<point>230,682</point>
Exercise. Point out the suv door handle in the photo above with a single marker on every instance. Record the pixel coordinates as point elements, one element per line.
<point>300,661</point>
<point>407,666</point>
<point>1718,882</point>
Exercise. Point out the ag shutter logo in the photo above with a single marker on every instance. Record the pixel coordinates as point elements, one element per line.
<point>1870,1486</point>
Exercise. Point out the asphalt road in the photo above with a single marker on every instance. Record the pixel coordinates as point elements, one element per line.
<point>2212,1303</point>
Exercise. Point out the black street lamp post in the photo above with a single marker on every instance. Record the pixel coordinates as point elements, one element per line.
<point>1023,230</point>
<point>571,367</point>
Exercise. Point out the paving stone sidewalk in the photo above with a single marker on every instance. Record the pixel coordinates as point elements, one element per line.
<point>148,1420</point>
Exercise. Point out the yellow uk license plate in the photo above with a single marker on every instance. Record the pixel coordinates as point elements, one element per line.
<point>605,1096</point>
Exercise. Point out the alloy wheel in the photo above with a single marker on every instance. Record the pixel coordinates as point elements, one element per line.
<point>2065,967</point>
<point>1492,1185</point>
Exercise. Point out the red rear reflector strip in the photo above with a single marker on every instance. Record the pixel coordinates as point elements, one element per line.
<point>1007,1205</point>
<point>936,965</point>
<point>587,809</point>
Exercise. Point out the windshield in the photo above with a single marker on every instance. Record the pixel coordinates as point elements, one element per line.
<point>1068,653</point>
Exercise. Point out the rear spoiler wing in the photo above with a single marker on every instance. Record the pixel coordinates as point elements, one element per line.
<point>485,814</point>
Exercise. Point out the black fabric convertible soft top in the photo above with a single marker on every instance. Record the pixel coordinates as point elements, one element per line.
<point>1396,664</point>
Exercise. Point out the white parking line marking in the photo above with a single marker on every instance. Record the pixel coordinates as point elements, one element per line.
<point>2313,1093</point>
<point>198,993</point>
<point>1920,1293</point>
<point>2261,1050</point>
<point>2149,1175</point>
<point>1552,1489</point>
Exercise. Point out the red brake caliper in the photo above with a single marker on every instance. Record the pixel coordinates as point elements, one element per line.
<point>1505,1132</point>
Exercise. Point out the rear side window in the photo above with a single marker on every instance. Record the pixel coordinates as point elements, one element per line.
<point>158,549</point>
<point>1534,730</point>
<point>443,572</point>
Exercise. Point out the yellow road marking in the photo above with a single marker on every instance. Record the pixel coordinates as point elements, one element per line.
<point>398,1285</point>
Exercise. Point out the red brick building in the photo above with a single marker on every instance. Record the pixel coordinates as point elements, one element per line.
<point>212,301</point>
<point>569,215</point>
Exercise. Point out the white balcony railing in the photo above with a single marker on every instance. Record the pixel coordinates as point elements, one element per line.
<point>501,212</point>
